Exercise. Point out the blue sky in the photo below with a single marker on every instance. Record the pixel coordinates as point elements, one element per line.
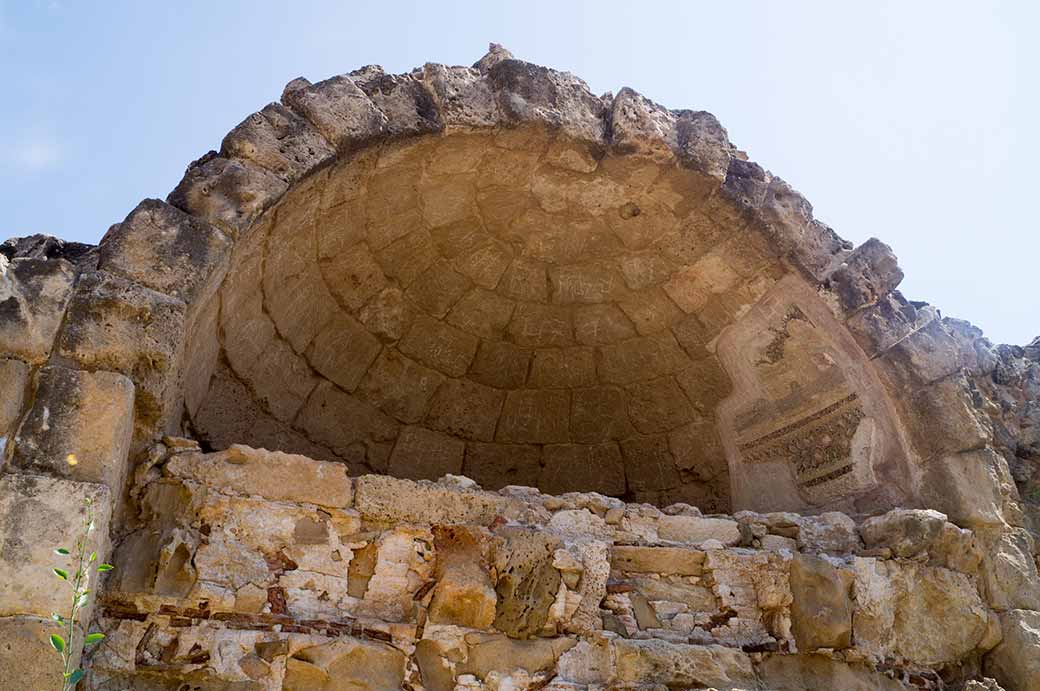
<point>916,122</point>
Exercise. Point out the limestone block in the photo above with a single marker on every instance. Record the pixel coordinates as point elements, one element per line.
<point>343,350</point>
<point>400,386</point>
<point>599,414</point>
<point>940,617</point>
<point>799,672</point>
<point>425,454</point>
<point>26,657</point>
<point>1015,662</point>
<point>353,276</point>
<point>229,193</point>
<point>37,515</point>
<point>337,108</point>
<point>440,346</point>
<point>583,468</point>
<point>929,354</point>
<point>466,409</point>
<point>483,312</point>
<point>891,319</point>
<point>868,273</point>
<point>494,466</point>
<point>14,383</point>
<point>410,109</point>
<point>965,487</point>
<point>165,249</point>
<point>491,653</point>
<point>463,96</point>
<point>662,560</point>
<point>388,315</point>
<point>270,474</point>
<point>437,290</point>
<point>79,427</point>
<point>527,583</point>
<point>33,296</point>
<point>278,140</point>
<point>464,595</point>
<point>500,364</point>
<point>638,125</point>
<point>649,465</point>
<point>117,325</point>
<point>1009,571</point>
<point>695,530</point>
<point>563,368</point>
<point>703,144</point>
<point>658,406</point>
<point>907,532</point>
<point>536,416</point>
<point>528,93</point>
<point>821,613</point>
<point>541,326</point>
<point>832,533</point>
<point>641,359</point>
<point>601,324</point>
<point>650,311</point>
<point>382,498</point>
<point>345,663</point>
<point>676,665</point>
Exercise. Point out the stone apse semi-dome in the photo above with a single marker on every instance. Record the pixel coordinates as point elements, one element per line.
<point>490,272</point>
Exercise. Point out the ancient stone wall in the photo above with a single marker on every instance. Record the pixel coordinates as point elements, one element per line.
<point>490,272</point>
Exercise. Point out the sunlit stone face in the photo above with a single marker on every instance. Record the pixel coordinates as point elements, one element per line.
<point>503,306</point>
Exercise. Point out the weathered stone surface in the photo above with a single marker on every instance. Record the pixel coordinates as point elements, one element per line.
<point>388,499</point>
<point>277,139</point>
<point>906,532</point>
<point>1014,662</point>
<point>37,515</point>
<point>338,109</point>
<point>866,275</point>
<point>228,193</point>
<point>165,249</point>
<point>583,468</point>
<point>685,562</point>
<point>33,295</point>
<point>528,93</point>
<point>695,529</point>
<point>269,474</point>
<point>79,427</point>
<point>941,617</point>
<point>26,656</point>
<point>117,325</point>
<point>675,665</point>
<point>821,614</point>
<point>425,454</point>
<point>14,384</point>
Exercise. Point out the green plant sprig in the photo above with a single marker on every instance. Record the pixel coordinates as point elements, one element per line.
<point>79,582</point>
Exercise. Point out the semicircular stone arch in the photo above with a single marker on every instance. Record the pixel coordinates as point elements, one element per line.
<point>490,271</point>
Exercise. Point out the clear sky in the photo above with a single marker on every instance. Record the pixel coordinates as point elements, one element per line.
<point>916,122</point>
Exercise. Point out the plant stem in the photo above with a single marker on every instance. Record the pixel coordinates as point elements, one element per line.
<point>78,581</point>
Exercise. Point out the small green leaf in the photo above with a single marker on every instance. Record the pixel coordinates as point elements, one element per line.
<point>61,573</point>
<point>82,601</point>
<point>75,677</point>
<point>93,556</point>
<point>58,618</point>
<point>57,642</point>
<point>93,638</point>
<point>105,567</point>
<point>61,550</point>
